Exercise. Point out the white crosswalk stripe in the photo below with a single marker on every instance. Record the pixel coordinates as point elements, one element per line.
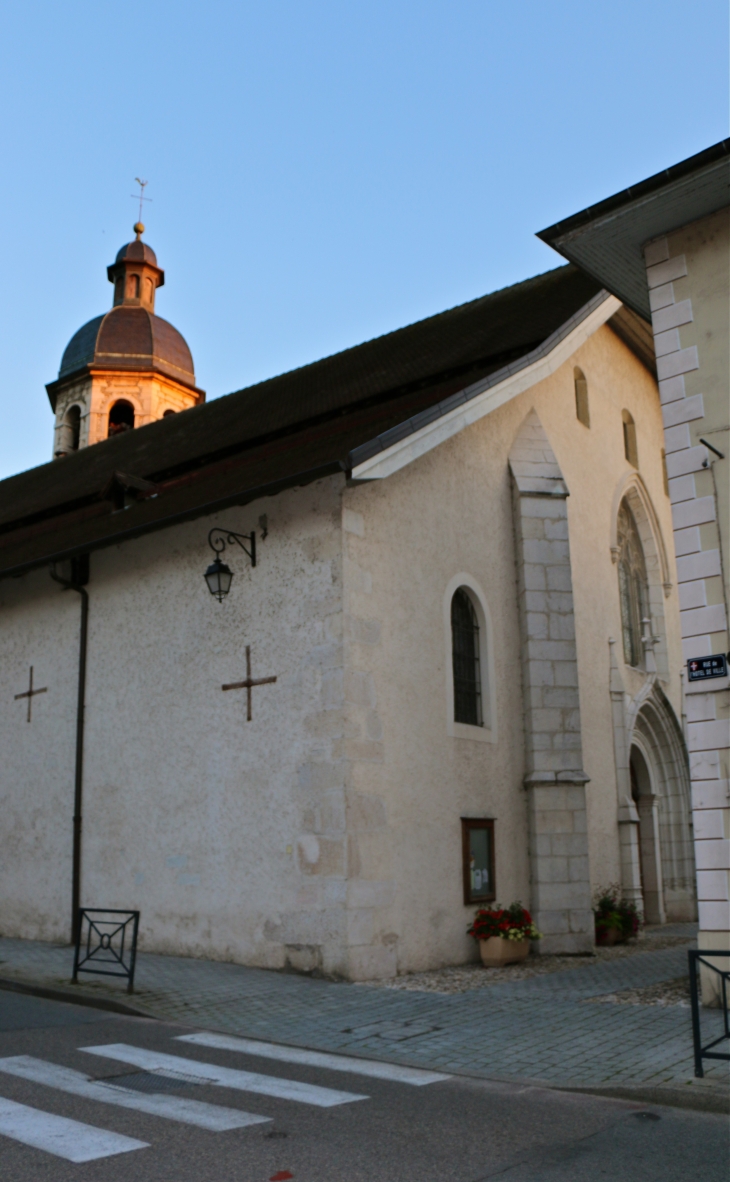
<point>192,1112</point>
<point>228,1077</point>
<point>283,1054</point>
<point>79,1142</point>
<point>72,1139</point>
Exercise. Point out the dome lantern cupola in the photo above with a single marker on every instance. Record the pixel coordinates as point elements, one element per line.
<point>135,274</point>
<point>127,367</point>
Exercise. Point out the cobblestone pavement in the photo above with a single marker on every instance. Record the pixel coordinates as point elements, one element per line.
<point>461,978</point>
<point>536,1028</point>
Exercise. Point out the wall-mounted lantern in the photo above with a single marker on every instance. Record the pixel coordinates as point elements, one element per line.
<point>218,576</point>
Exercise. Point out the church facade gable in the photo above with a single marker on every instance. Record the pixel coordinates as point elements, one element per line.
<point>549,783</point>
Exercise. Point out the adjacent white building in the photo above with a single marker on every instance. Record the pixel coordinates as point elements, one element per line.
<point>663,247</point>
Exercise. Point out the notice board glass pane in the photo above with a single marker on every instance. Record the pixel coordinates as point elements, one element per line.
<point>478,860</point>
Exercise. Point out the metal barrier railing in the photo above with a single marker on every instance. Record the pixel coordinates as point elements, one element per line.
<point>107,946</point>
<point>699,957</point>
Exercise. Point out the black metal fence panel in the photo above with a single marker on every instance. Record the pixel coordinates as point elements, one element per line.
<point>106,943</point>
<point>698,957</point>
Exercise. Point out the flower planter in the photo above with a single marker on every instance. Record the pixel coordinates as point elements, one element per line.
<point>497,951</point>
<point>504,933</point>
<point>617,919</point>
<point>611,936</point>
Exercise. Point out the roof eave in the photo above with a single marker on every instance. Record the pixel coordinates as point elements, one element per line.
<point>243,497</point>
<point>397,448</point>
<point>659,180</point>
<point>606,240</point>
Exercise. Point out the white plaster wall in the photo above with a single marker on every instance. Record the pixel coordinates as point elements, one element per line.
<point>411,781</point>
<point>192,814</point>
<point>39,626</point>
<point>406,537</point>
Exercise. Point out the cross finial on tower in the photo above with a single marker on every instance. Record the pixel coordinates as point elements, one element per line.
<point>138,227</point>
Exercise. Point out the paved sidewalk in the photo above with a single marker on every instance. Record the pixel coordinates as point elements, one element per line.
<point>543,1028</point>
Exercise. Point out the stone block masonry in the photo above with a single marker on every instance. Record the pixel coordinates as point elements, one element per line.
<point>554,780</point>
<point>687,279</point>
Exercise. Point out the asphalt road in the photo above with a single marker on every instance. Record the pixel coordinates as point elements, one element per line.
<point>129,1113</point>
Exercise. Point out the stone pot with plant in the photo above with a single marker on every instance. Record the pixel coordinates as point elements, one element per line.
<point>617,920</point>
<point>504,934</point>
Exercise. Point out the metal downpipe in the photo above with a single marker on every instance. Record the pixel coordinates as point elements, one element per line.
<point>79,576</point>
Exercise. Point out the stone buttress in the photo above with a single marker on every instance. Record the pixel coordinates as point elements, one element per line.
<point>554,777</point>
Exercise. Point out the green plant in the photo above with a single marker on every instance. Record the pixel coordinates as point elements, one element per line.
<point>510,923</point>
<point>614,914</point>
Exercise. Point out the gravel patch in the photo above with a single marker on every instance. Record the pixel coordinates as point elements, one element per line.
<point>463,978</point>
<point>666,993</point>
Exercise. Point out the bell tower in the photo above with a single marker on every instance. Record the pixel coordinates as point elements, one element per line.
<point>127,367</point>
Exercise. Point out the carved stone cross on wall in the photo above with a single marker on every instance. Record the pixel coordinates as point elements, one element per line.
<point>30,693</point>
<point>248,683</point>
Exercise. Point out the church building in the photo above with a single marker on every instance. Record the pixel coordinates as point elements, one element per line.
<point>309,672</point>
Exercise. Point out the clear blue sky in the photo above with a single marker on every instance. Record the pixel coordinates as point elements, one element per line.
<point>321,171</point>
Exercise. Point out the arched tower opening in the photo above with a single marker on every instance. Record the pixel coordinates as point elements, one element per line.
<point>69,433</point>
<point>121,417</point>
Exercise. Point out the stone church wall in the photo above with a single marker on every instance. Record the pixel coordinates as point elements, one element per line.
<point>406,539</point>
<point>38,627</point>
<point>228,835</point>
<point>323,834</point>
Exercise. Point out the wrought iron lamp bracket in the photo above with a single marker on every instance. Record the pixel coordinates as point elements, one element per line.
<point>219,538</point>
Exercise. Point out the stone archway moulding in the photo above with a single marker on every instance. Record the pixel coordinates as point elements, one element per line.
<point>656,732</point>
<point>633,483</point>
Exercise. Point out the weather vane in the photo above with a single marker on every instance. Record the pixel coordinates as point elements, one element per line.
<point>140,197</point>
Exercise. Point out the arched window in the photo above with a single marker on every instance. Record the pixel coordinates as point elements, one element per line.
<point>466,660</point>
<point>70,432</point>
<point>581,397</point>
<point>166,413</point>
<point>121,417</point>
<point>630,450</point>
<point>72,423</point>
<point>133,287</point>
<point>633,586</point>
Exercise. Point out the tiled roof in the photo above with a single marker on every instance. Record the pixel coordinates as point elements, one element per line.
<point>129,337</point>
<point>281,432</point>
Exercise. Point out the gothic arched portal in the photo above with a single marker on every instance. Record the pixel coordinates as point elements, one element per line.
<point>661,793</point>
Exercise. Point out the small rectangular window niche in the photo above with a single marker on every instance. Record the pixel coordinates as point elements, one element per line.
<point>582,411</point>
<point>477,846</point>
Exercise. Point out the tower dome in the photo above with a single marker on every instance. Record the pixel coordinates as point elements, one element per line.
<point>126,367</point>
